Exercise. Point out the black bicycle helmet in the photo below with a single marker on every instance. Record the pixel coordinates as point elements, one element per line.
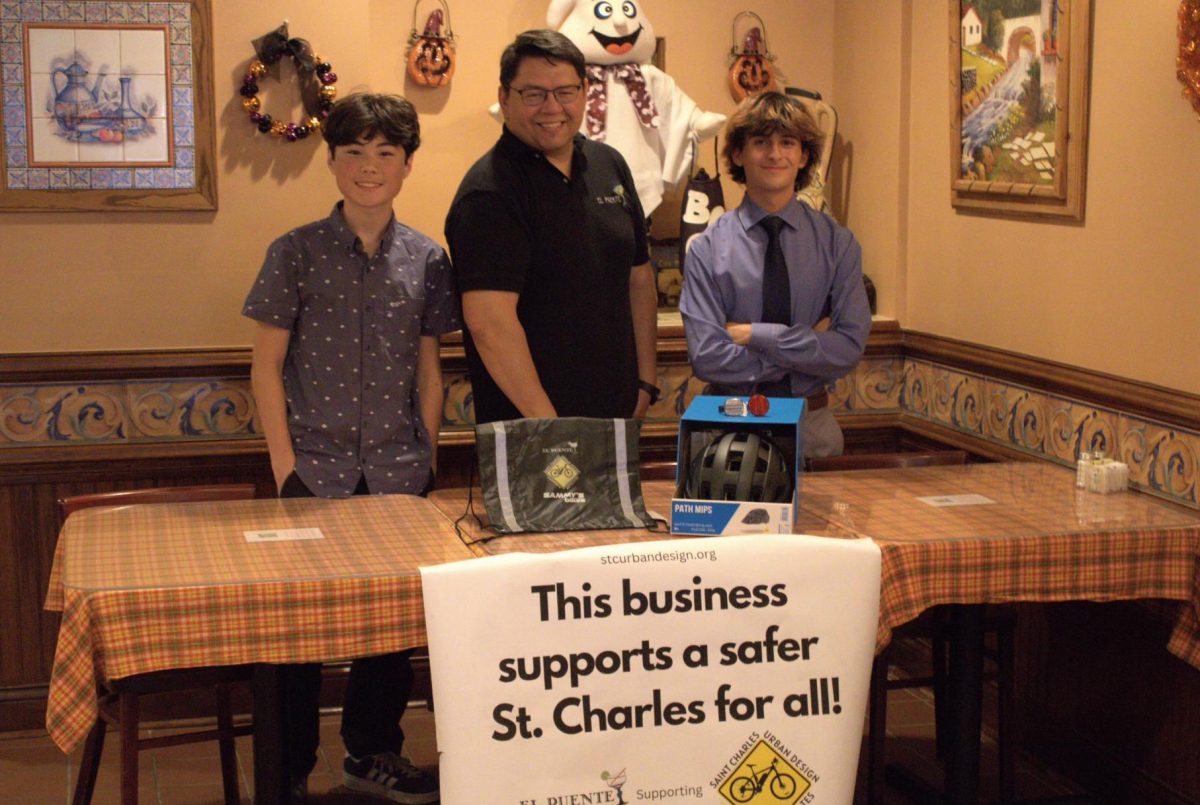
<point>739,465</point>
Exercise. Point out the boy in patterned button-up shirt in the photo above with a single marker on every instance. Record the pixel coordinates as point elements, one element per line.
<point>347,380</point>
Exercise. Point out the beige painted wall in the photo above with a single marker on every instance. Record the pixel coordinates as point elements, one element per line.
<point>869,173</point>
<point>84,281</point>
<point>1119,293</point>
<point>164,280</point>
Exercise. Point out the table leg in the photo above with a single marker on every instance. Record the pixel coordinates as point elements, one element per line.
<point>964,691</point>
<point>270,775</point>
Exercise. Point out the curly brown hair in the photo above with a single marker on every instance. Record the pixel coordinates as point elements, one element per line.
<point>763,115</point>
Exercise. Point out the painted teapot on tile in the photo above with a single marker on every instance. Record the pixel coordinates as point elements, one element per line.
<point>75,104</point>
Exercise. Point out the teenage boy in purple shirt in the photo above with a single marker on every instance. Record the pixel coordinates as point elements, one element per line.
<point>768,143</point>
<point>348,384</point>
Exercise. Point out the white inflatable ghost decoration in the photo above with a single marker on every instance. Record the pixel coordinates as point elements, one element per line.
<point>631,104</point>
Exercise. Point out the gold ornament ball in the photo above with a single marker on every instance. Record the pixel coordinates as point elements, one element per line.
<point>329,91</point>
<point>278,128</point>
<point>258,69</point>
<point>314,124</point>
<point>251,104</point>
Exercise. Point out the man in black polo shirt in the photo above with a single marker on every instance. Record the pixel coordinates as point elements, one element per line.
<point>550,255</point>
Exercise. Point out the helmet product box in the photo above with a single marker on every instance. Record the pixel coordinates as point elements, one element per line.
<point>737,473</point>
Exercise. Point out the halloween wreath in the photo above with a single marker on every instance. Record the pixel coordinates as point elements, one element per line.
<point>315,75</point>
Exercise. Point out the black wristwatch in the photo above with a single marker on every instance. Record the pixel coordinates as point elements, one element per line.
<point>650,389</point>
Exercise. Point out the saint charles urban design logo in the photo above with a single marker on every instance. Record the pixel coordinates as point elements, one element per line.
<point>763,771</point>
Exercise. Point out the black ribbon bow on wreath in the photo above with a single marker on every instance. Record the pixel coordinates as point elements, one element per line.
<point>274,46</point>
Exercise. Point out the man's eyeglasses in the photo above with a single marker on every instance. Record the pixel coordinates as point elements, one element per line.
<point>536,96</point>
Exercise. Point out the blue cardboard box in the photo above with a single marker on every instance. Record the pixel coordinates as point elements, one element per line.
<point>705,420</point>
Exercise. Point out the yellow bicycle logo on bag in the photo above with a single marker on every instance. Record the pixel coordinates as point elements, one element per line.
<point>562,472</point>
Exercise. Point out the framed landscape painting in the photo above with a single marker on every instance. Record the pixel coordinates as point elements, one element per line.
<point>106,106</point>
<point>1019,106</point>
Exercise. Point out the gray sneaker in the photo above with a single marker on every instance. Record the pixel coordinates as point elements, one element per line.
<point>390,776</point>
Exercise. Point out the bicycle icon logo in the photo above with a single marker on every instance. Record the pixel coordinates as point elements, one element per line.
<point>764,777</point>
<point>782,784</point>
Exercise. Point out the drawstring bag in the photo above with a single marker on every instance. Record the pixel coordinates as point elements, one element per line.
<point>563,474</point>
<point>703,204</point>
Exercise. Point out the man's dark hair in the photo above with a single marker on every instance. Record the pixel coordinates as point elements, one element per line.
<point>540,43</point>
<point>363,115</point>
<point>765,114</point>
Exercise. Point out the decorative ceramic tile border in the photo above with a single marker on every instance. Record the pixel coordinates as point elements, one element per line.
<point>141,411</point>
<point>1162,459</point>
<point>223,408</point>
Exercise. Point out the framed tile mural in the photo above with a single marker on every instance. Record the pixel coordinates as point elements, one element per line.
<point>107,105</point>
<point>1019,105</point>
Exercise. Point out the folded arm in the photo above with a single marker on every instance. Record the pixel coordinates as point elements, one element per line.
<point>834,345</point>
<point>712,351</point>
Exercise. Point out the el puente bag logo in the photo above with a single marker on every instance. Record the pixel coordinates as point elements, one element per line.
<point>564,474</point>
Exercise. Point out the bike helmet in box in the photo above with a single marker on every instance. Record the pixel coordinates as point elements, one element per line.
<point>740,465</point>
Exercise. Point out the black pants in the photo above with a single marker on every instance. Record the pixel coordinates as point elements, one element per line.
<point>376,694</point>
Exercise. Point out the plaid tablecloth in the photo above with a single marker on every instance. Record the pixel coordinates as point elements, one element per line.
<point>151,587</point>
<point>1038,539</point>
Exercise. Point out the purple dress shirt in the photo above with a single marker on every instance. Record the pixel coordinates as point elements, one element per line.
<point>722,282</point>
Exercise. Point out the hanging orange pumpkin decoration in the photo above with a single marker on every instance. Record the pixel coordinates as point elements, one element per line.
<point>431,57</point>
<point>752,68</point>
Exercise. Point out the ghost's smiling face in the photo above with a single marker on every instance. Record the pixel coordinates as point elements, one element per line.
<point>610,31</point>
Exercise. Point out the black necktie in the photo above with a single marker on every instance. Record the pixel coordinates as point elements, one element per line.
<point>777,289</point>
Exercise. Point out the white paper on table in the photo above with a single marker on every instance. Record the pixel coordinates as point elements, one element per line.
<point>956,500</point>
<point>283,535</point>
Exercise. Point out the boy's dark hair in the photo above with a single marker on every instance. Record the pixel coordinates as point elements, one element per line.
<point>763,115</point>
<point>363,115</point>
<point>539,43</point>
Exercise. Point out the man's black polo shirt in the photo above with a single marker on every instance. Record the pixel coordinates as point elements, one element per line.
<point>567,247</point>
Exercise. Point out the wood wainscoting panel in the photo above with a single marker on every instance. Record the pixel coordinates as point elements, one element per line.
<point>32,480</point>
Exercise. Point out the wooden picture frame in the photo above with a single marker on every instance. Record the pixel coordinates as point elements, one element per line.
<point>1011,154</point>
<point>107,106</point>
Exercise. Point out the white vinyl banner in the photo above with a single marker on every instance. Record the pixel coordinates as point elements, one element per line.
<point>731,669</point>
